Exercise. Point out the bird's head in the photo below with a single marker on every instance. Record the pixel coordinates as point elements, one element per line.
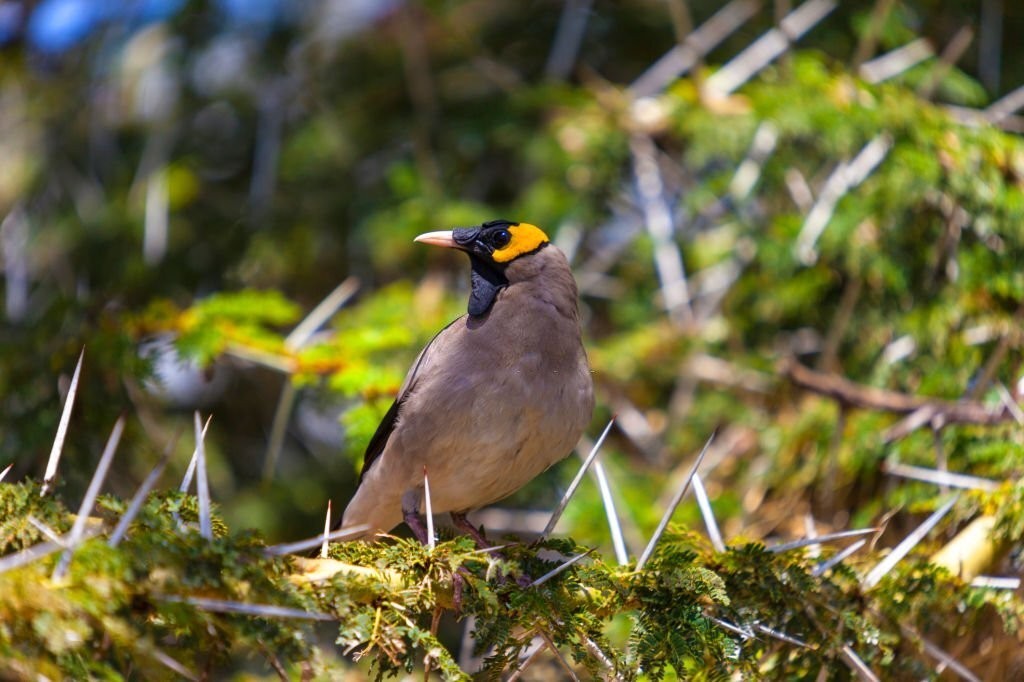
<point>492,247</point>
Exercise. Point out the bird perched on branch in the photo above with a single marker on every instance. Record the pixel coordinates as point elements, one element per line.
<point>497,396</point>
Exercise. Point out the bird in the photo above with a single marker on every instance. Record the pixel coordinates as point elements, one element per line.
<point>494,399</point>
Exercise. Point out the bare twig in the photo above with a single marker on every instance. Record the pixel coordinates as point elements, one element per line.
<point>744,633</point>
<point>781,636</point>
<point>634,425</point>
<point>1004,395</point>
<point>846,176</point>
<point>558,569</point>
<point>869,39</point>
<point>298,338</point>
<point>571,490</point>
<point>943,478</point>
<point>601,656</point>
<point>568,38</point>
<point>847,392</point>
<point>857,664</point>
<point>682,21</point>
<point>263,358</point>
<point>33,553</point>
<point>7,470</point>
<point>951,54</point>
<point>923,410</point>
<point>62,429</point>
<point>822,539</point>
<point>558,654</point>
<point>172,664</point>
<point>315,541</point>
<point>840,323</point>
<point>668,260</point>
<point>749,171</point>
<point>769,46</point>
<point>261,610</point>
<point>978,118</point>
<point>908,543</point>
<point>835,442</point>
<point>46,530</point>
<point>943,657</point>
<point>927,414</point>
<point>994,582</point>
<point>274,662</point>
<point>98,477</point>
<point>526,662</point>
<point>683,57</point>
<point>837,558</point>
<point>323,311</point>
<point>892,64</point>
<point>676,499</point>
<point>715,370</point>
<point>988,370</point>
<point>799,190</point>
<point>278,428</point>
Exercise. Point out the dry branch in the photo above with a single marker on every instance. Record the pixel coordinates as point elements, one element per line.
<point>922,409</point>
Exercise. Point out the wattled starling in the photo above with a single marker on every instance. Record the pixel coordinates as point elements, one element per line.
<point>496,397</point>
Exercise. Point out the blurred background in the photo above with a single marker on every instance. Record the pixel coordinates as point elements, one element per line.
<point>183,182</point>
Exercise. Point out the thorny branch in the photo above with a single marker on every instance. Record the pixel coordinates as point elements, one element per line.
<point>925,410</point>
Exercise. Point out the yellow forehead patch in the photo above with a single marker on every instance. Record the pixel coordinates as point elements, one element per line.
<point>525,238</point>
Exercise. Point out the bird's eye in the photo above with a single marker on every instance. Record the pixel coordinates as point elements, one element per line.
<point>500,239</point>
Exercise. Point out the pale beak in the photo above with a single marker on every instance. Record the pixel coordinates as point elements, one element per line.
<point>440,238</point>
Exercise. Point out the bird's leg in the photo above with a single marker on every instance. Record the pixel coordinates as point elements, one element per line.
<point>461,522</point>
<point>411,515</point>
<point>458,587</point>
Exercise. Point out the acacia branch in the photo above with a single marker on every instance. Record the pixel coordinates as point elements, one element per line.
<point>920,410</point>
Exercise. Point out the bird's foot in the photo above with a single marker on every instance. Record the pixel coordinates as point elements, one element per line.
<point>416,525</point>
<point>461,522</point>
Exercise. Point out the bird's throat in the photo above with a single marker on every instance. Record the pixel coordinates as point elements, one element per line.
<point>485,283</point>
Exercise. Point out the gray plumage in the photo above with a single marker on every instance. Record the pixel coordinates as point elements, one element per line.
<point>492,401</point>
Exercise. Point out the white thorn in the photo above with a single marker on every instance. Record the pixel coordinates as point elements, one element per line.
<point>202,483</point>
<point>327,532</point>
<point>62,429</point>
<point>672,506</point>
<point>571,490</point>
<point>98,476</point>
<point>431,540</point>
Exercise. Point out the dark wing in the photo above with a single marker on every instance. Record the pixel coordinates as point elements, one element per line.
<point>387,425</point>
<point>380,438</point>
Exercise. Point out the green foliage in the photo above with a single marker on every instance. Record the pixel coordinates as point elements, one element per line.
<point>125,608</point>
<point>694,612</point>
<point>320,153</point>
<point>17,504</point>
<point>224,321</point>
